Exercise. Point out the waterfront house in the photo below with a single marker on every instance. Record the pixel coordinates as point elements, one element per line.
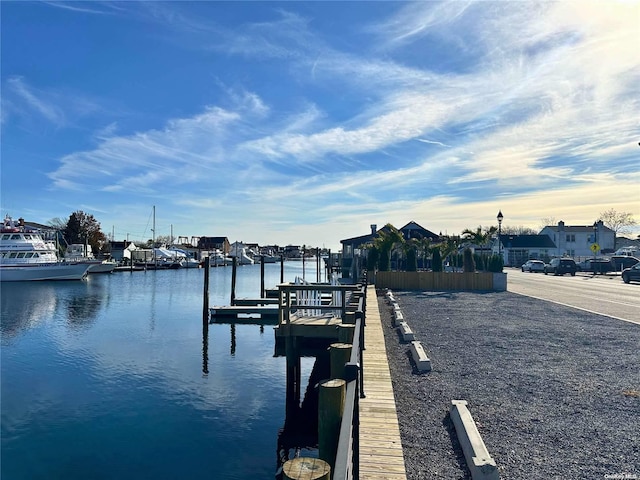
<point>214,243</point>
<point>352,247</point>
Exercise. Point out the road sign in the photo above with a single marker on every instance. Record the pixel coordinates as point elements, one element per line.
<point>595,247</point>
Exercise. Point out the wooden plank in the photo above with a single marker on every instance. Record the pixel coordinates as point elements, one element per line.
<point>381,454</point>
<point>244,302</point>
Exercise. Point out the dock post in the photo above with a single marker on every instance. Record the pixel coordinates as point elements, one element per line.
<point>339,355</point>
<point>292,401</point>
<point>281,268</point>
<point>205,321</point>
<point>205,302</point>
<point>303,271</point>
<point>306,468</point>
<point>330,407</point>
<point>262,276</point>
<point>346,333</point>
<point>234,269</point>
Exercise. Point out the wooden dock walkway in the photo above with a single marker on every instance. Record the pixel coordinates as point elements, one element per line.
<point>381,454</point>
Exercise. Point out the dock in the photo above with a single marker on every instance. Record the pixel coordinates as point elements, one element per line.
<point>381,454</point>
<point>251,314</point>
<point>310,318</point>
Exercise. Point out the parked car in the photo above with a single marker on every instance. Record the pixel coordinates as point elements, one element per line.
<point>596,265</point>
<point>631,274</point>
<point>560,266</point>
<point>620,262</point>
<point>533,266</point>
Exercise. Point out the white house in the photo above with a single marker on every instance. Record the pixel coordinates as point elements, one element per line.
<point>577,241</point>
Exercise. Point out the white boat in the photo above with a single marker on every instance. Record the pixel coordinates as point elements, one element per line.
<point>218,259</point>
<point>76,252</point>
<point>26,256</point>
<point>266,258</point>
<point>183,258</point>
<point>241,257</point>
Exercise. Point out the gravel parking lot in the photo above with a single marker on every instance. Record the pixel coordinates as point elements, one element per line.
<point>554,391</point>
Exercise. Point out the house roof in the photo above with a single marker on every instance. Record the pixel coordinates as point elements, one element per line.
<point>527,241</point>
<point>410,230</point>
<point>561,227</point>
<point>359,240</point>
<point>413,230</point>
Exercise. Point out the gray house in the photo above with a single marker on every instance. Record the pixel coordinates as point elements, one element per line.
<point>353,256</point>
<point>517,249</point>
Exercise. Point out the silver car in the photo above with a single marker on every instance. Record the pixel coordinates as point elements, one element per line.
<point>533,266</point>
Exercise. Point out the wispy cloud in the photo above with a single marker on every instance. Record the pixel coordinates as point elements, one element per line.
<point>35,100</point>
<point>102,8</point>
<point>447,110</point>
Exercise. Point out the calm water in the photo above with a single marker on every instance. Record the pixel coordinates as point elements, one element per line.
<point>104,379</point>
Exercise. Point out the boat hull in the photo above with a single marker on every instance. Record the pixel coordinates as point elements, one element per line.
<point>102,267</point>
<point>43,272</point>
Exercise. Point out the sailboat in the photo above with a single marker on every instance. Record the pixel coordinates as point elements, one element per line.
<point>160,260</point>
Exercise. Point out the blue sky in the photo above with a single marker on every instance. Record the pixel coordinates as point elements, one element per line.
<point>305,122</point>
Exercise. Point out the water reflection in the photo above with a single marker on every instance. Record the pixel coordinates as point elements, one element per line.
<point>138,378</point>
<point>205,346</point>
<point>26,305</point>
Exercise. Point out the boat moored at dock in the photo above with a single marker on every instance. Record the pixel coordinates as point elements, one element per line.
<point>26,256</point>
<point>77,252</point>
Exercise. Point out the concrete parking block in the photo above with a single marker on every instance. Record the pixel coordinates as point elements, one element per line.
<point>480,463</point>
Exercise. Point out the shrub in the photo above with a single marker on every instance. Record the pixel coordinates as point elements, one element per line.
<point>436,261</point>
<point>495,263</point>
<point>479,259</point>
<point>412,260</point>
<point>372,258</point>
<point>468,263</point>
<point>384,261</point>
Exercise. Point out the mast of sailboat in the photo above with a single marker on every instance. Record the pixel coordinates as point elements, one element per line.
<point>153,240</point>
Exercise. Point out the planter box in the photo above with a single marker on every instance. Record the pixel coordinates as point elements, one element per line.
<point>439,281</point>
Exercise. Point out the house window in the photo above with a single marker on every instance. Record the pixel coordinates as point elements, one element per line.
<point>571,237</point>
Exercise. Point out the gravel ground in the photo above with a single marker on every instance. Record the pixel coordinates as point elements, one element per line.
<point>554,391</point>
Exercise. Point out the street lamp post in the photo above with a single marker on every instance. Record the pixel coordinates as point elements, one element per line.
<point>499,217</point>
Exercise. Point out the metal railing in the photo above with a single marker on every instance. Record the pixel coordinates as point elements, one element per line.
<point>347,464</point>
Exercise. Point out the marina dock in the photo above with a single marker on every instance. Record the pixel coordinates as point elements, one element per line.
<point>381,454</point>
<point>310,320</point>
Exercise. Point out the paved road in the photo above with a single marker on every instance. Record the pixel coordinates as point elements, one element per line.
<point>603,294</point>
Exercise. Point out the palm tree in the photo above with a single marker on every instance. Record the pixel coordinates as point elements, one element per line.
<point>480,237</point>
<point>410,249</point>
<point>424,245</point>
<point>388,238</point>
<point>449,246</point>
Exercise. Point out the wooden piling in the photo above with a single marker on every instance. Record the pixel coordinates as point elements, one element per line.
<point>345,333</point>
<point>293,388</point>
<point>205,300</point>
<point>205,320</point>
<point>304,468</point>
<point>331,399</point>
<point>234,269</point>
<point>262,276</point>
<point>281,268</point>
<point>339,354</point>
